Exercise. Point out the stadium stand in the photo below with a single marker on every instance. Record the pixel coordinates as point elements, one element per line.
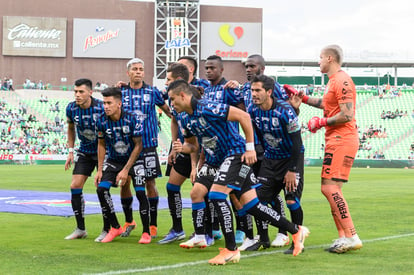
<point>396,145</point>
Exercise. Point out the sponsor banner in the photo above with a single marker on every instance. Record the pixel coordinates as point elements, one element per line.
<point>34,36</point>
<point>28,157</point>
<point>230,41</point>
<point>101,38</point>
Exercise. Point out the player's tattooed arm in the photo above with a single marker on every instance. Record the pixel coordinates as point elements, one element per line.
<point>345,115</point>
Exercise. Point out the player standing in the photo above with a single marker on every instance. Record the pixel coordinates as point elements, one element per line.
<point>341,142</point>
<point>81,116</point>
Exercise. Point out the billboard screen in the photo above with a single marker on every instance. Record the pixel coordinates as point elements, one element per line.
<point>101,38</point>
<point>230,41</point>
<point>34,36</point>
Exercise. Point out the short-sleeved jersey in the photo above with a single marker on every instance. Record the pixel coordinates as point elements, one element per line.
<point>278,92</point>
<point>142,102</point>
<point>340,89</point>
<point>199,82</point>
<point>118,135</point>
<point>275,127</point>
<point>228,96</point>
<point>84,120</point>
<point>214,133</point>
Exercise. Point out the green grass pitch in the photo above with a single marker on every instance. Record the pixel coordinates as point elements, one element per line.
<point>380,200</point>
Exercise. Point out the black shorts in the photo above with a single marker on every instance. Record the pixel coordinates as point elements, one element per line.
<point>271,175</point>
<point>206,175</point>
<point>182,165</point>
<point>84,164</point>
<point>236,175</point>
<point>260,156</point>
<point>111,169</point>
<point>151,163</point>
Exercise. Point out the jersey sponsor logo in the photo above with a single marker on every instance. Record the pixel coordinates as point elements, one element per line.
<point>202,121</point>
<point>88,134</point>
<point>271,140</point>
<point>327,160</point>
<point>244,171</point>
<point>125,129</point>
<point>348,161</point>
<point>150,162</point>
<point>100,134</point>
<point>209,144</point>
<point>340,203</point>
<point>120,147</point>
<point>275,122</point>
<point>293,125</point>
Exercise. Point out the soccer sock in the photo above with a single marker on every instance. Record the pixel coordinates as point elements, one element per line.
<point>236,216</point>
<point>215,222</point>
<point>279,207</point>
<point>127,207</point>
<point>175,205</point>
<point>78,206</point>
<point>262,230</point>
<point>198,214</point>
<point>153,210</point>
<point>106,202</point>
<point>143,208</point>
<point>246,223</point>
<point>225,217</point>
<point>268,215</point>
<point>296,212</point>
<point>208,220</point>
<point>339,209</point>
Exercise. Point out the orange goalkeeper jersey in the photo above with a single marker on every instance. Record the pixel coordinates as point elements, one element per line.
<point>340,89</point>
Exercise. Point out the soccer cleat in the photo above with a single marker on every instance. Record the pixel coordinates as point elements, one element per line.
<point>291,248</point>
<point>209,240</point>
<point>280,240</point>
<point>217,235</point>
<point>127,228</point>
<point>194,243</point>
<point>239,236</point>
<point>77,234</point>
<point>335,243</point>
<point>258,245</point>
<point>225,256</point>
<point>101,236</point>
<point>172,236</point>
<point>153,231</point>
<point>299,239</point>
<point>339,246</point>
<point>247,243</point>
<point>145,238</point>
<point>354,243</point>
<point>114,232</point>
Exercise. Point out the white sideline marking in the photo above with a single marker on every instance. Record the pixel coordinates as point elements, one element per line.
<point>164,267</point>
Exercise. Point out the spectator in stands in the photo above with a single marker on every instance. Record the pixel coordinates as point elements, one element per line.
<point>367,146</point>
<point>10,84</point>
<point>57,120</point>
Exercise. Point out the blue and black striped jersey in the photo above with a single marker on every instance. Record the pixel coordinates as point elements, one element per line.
<point>142,102</point>
<point>278,92</point>
<point>118,135</point>
<point>275,127</point>
<point>217,136</point>
<point>228,96</point>
<point>84,120</point>
<point>199,82</point>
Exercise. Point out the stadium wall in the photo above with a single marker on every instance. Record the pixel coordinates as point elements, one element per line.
<point>103,70</point>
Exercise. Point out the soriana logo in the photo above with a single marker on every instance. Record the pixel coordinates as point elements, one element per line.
<point>229,35</point>
<point>231,41</point>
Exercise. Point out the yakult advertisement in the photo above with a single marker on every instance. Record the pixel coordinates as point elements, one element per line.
<point>34,36</point>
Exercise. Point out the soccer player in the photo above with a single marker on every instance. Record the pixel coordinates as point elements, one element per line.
<point>282,168</point>
<point>220,91</point>
<point>341,142</point>
<point>180,166</point>
<point>254,66</point>
<point>120,140</point>
<point>192,65</point>
<point>209,122</point>
<point>81,115</point>
<point>142,98</point>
